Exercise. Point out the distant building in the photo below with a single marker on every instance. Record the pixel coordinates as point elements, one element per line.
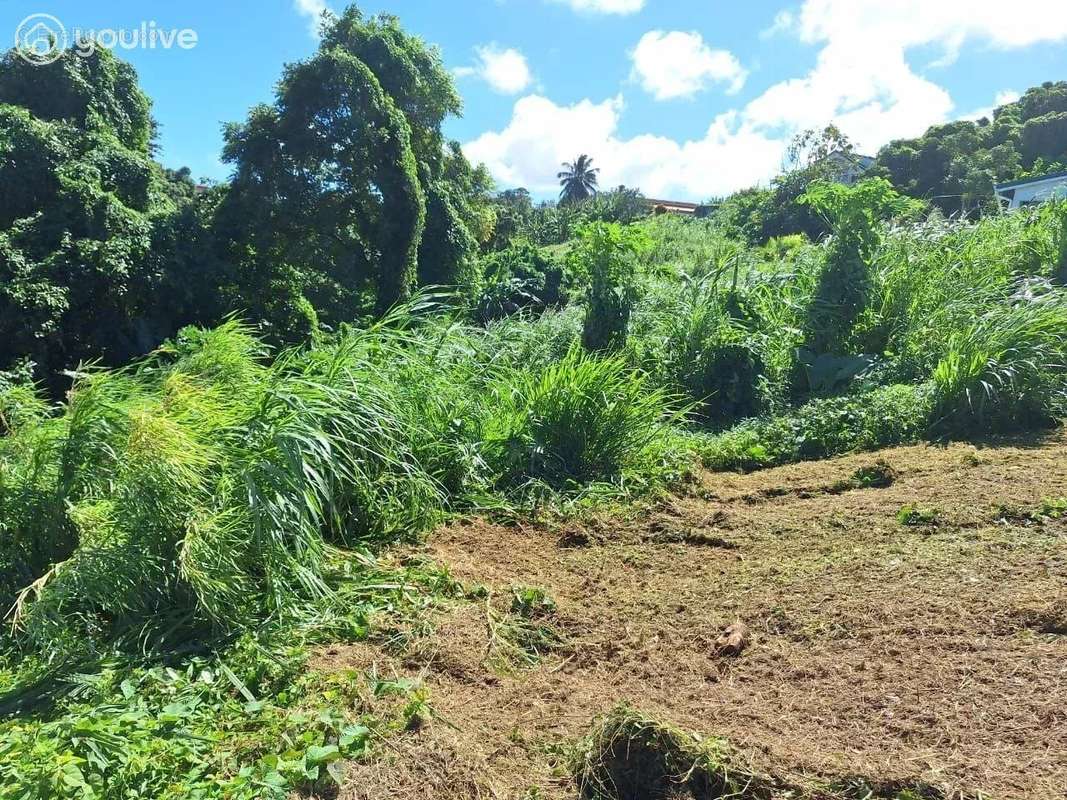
<point>846,168</point>
<point>678,207</point>
<point>1031,191</point>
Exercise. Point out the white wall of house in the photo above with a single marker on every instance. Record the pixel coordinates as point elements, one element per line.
<point>1037,191</point>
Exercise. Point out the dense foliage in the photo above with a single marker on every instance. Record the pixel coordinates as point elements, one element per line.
<point>955,165</point>
<point>278,401</point>
<point>344,197</point>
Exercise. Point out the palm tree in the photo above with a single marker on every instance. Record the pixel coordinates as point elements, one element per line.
<point>578,180</point>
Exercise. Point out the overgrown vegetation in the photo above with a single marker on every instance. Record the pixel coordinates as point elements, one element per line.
<point>217,404</point>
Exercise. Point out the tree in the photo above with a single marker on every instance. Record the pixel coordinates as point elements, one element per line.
<point>337,181</point>
<point>458,214</point>
<point>79,195</point>
<point>327,188</point>
<point>954,166</point>
<point>811,147</point>
<point>578,179</point>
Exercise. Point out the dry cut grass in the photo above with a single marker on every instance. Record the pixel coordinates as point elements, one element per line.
<point>924,658</point>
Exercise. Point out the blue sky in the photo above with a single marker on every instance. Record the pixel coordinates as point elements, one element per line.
<point>683,98</point>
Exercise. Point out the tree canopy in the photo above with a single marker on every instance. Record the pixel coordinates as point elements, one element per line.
<point>578,180</point>
<point>79,193</point>
<point>955,165</point>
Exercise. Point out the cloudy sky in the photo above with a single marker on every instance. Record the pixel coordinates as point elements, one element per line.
<point>685,99</point>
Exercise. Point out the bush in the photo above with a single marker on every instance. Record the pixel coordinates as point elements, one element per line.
<point>826,427</point>
<point>702,352</point>
<point>855,214</point>
<point>521,277</point>
<point>605,257</point>
<point>580,420</point>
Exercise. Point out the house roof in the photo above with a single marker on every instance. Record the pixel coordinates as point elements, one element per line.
<point>673,205</point>
<point>858,159</point>
<point>1027,181</point>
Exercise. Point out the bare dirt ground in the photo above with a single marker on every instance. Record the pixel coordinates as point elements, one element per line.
<point>934,652</point>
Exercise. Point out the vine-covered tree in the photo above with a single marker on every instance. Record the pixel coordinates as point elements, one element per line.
<point>337,180</point>
<point>78,196</point>
<point>326,189</point>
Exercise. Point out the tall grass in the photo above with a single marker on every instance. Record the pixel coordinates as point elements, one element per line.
<point>575,421</point>
<point>202,490</point>
<point>1006,368</point>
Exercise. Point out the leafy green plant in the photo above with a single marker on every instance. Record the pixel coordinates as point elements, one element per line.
<point>824,427</point>
<point>855,215</point>
<point>521,277</point>
<point>606,258</point>
<point>1052,508</point>
<point>914,515</point>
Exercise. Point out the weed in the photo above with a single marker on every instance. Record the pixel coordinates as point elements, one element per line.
<point>1052,508</point>
<point>521,636</point>
<point>914,515</point>
<point>874,476</point>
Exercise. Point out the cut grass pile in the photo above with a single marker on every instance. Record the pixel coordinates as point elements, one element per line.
<point>630,756</point>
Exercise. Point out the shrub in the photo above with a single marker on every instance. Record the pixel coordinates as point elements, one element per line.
<point>709,357</point>
<point>1059,268</point>
<point>580,420</point>
<point>521,277</point>
<point>606,257</point>
<point>855,214</point>
<point>825,427</point>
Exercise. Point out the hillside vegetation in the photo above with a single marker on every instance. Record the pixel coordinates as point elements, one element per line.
<point>225,411</point>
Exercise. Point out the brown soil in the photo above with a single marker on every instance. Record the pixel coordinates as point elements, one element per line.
<point>932,652</point>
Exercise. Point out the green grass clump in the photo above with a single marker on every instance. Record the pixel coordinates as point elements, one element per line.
<point>1005,369</point>
<point>1052,508</point>
<point>201,489</point>
<point>629,756</point>
<point>581,419</point>
<point>914,515</point>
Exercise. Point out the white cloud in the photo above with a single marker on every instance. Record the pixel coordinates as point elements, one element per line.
<point>678,64</point>
<point>1006,96</point>
<point>1002,97</point>
<point>783,23</point>
<point>542,134</point>
<point>604,6</point>
<point>908,23</point>
<point>862,80</point>
<point>505,70</point>
<point>313,10</point>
